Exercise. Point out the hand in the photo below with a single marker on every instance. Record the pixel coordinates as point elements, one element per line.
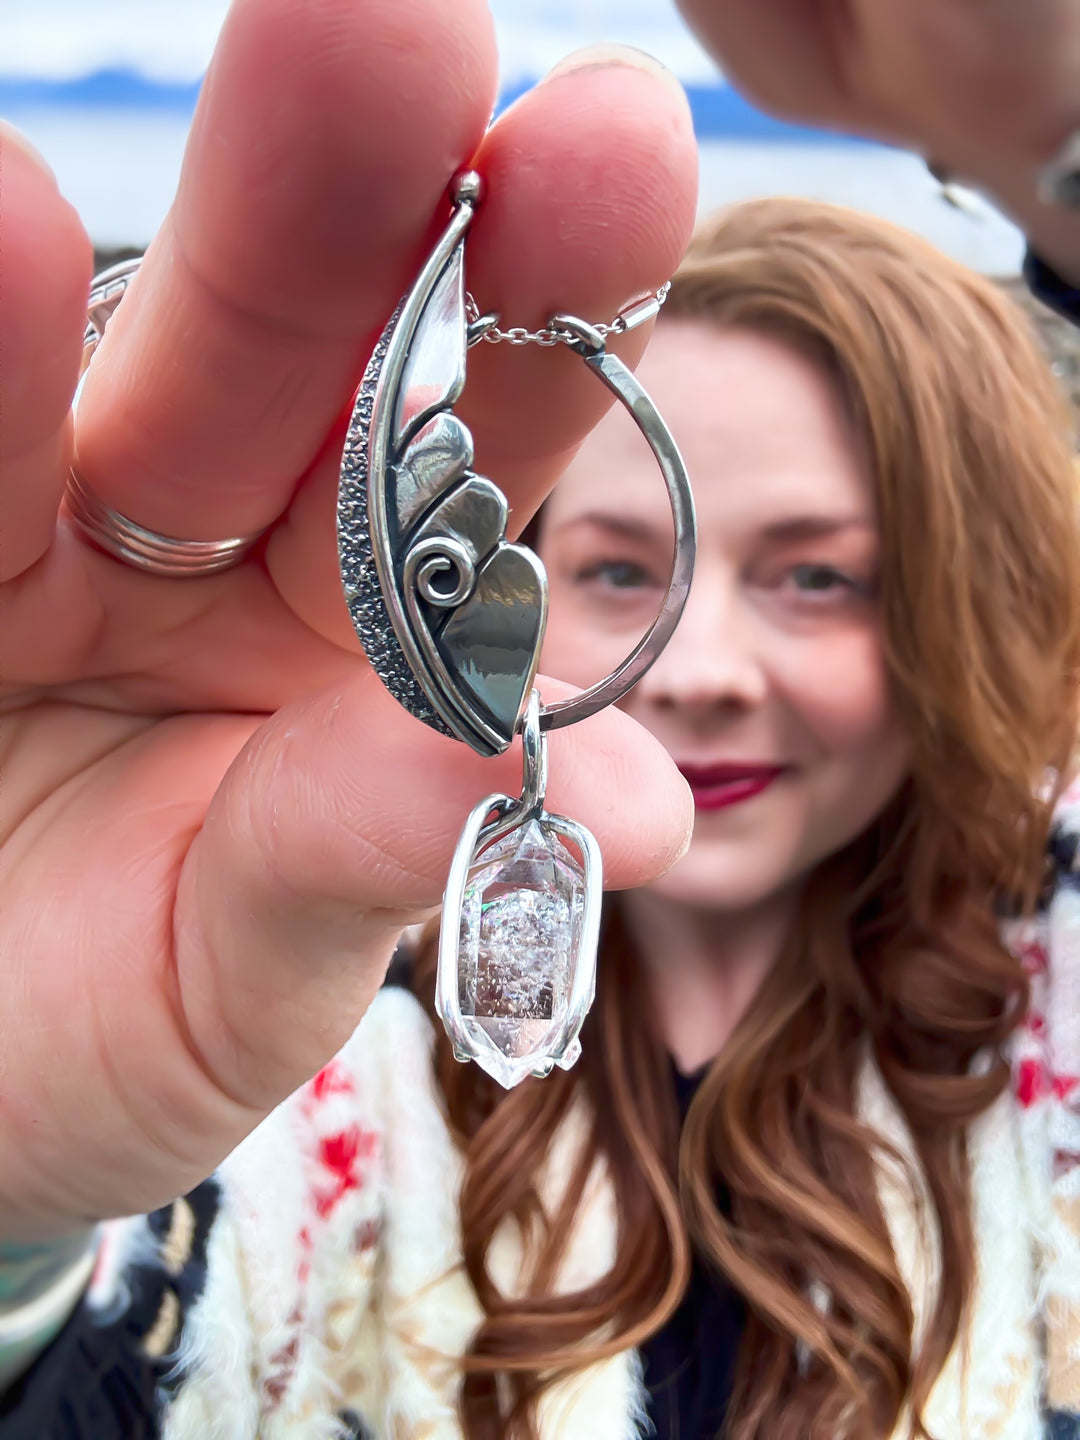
<point>216,821</point>
<point>955,79</point>
<point>990,89</point>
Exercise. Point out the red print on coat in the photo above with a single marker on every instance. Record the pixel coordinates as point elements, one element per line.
<point>304,1244</point>
<point>1035,1023</point>
<point>339,1159</point>
<point>332,1079</point>
<point>1032,955</point>
<point>281,1366</point>
<point>1032,1082</point>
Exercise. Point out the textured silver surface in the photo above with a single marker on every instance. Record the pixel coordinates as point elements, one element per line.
<point>363,592</point>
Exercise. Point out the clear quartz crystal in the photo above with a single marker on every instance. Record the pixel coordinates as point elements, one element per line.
<point>519,949</point>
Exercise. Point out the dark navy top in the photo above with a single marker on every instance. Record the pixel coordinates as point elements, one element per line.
<point>690,1362</point>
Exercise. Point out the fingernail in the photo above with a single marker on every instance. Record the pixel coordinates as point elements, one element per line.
<point>607,56</point>
<point>18,141</point>
<point>688,837</point>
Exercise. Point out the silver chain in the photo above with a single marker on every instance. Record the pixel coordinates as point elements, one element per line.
<point>486,327</point>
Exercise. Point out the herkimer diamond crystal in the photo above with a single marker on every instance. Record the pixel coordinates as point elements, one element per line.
<point>520,941</point>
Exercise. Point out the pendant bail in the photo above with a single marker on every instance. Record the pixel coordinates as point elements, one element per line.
<point>587,338</point>
<point>534,759</point>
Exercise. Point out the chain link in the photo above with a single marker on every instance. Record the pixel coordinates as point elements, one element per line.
<point>486,327</point>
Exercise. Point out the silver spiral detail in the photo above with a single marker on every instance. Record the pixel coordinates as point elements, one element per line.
<point>435,557</point>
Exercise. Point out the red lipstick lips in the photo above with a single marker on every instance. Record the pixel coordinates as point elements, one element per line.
<point>717,786</point>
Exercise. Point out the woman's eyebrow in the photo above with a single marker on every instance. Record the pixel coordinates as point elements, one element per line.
<point>624,526</point>
<point>809,527</point>
<point>790,528</point>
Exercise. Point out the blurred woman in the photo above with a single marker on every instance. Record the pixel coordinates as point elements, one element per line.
<point>872,697</point>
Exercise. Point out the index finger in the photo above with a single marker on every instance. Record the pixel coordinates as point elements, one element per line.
<point>321,147</point>
<point>785,55</point>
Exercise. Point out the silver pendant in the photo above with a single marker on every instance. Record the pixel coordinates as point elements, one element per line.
<point>451,616</point>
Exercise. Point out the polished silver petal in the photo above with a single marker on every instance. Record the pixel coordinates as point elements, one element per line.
<point>439,453</point>
<point>490,641</point>
<point>434,372</point>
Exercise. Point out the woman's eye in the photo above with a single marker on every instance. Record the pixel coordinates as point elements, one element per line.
<point>617,574</point>
<point>820,579</point>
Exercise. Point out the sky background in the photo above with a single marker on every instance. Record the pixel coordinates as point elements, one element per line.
<point>105,90</point>
<point>173,39</point>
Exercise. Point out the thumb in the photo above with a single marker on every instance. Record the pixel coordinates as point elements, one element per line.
<point>333,830</point>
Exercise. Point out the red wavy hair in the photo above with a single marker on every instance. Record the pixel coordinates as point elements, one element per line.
<point>897,952</point>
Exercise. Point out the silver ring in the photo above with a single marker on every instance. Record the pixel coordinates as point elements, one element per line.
<point>109,529</point>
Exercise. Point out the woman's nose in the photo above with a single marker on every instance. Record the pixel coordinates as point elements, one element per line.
<point>714,660</point>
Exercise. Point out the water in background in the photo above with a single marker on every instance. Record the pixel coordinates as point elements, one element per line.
<point>106,90</point>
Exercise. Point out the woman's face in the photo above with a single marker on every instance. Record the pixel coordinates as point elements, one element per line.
<point>772,697</point>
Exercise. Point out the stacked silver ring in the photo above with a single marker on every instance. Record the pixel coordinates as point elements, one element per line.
<point>109,529</point>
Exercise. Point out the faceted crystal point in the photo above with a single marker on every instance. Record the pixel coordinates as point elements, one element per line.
<point>519,949</point>
<point>571,1056</point>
